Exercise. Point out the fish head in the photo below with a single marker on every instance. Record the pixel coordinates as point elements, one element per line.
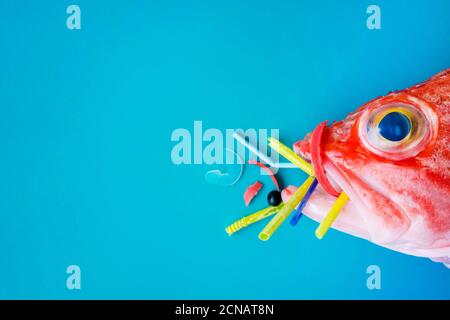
<point>391,158</point>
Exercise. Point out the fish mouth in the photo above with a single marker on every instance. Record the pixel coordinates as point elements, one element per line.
<point>357,218</point>
<point>349,219</point>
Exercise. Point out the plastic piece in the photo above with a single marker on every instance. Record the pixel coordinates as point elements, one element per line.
<point>316,159</point>
<point>252,218</point>
<point>270,173</point>
<point>252,148</point>
<point>298,212</point>
<point>326,223</point>
<point>290,205</point>
<point>251,192</point>
<point>291,156</point>
<point>226,174</point>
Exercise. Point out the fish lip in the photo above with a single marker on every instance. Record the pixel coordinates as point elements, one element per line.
<point>366,225</point>
<point>338,176</point>
<point>318,212</point>
<point>342,223</point>
<point>356,208</point>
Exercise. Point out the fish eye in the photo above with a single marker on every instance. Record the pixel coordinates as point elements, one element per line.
<point>396,130</point>
<point>395,126</point>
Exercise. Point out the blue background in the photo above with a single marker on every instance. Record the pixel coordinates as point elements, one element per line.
<point>86,117</point>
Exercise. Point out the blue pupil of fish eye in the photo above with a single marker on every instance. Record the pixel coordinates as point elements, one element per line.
<point>395,126</point>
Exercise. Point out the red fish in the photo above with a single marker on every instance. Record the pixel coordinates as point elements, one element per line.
<point>391,157</point>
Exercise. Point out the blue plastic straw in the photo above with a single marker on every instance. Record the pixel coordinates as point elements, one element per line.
<point>298,213</point>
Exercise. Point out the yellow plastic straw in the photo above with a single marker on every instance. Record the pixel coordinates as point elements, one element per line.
<point>276,221</point>
<point>291,156</point>
<point>250,219</point>
<point>326,223</point>
<point>307,167</point>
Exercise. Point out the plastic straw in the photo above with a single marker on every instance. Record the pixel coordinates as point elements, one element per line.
<point>291,156</point>
<point>290,205</point>
<point>305,166</point>
<point>298,212</point>
<point>332,215</point>
<point>251,147</point>
<point>252,218</point>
